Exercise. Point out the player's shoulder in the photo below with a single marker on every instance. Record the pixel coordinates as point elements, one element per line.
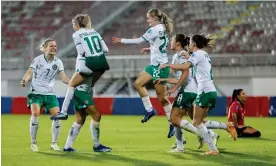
<point>57,60</point>
<point>199,53</point>
<point>39,57</point>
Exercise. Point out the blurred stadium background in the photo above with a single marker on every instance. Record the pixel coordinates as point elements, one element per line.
<point>244,56</point>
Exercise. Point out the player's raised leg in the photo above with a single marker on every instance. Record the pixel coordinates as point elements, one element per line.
<point>143,78</point>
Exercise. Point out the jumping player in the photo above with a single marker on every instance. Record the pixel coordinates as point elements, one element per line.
<point>158,37</point>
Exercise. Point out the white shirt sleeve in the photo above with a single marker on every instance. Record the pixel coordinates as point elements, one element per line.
<point>105,48</point>
<point>60,66</point>
<point>34,63</point>
<point>194,59</point>
<point>77,42</point>
<point>151,34</point>
<point>132,41</point>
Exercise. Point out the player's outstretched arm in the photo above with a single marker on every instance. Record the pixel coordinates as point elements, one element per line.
<point>184,66</point>
<point>64,77</point>
<point>116,40</point>
<point>26,77</point>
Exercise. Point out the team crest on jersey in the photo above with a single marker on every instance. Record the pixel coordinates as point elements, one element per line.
<point>54,67</point>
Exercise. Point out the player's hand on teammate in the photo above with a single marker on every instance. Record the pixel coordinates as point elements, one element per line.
<point>116,40</point>
<point>158,81</point>
<point>170,91</point>
<point>23,82</point>
<point>145,50</point>
<point>164,66</point>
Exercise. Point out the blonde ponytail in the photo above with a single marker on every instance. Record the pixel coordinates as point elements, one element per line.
<point>168,22</point>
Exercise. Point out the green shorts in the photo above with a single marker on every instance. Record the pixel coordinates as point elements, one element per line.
<point>97,63</point>
<point>48,101</point>
<point>184,100</point>
<point>82,100</point>
<point>156,73</point>
<point>206,99</point>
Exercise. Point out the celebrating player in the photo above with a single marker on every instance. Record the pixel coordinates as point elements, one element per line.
<point>43,70</point>
<point>236,115</point>
<point>91,58</point>
<point>84,104</point>
<point>183,102</point>
<point>206,91</point>
<point>158,37</point>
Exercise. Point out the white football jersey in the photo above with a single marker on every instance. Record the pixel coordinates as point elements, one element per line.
<point>203,71</point>
<point>44,74</point>
<point>190,84</point>
<point>158,39</point>
<point>90,41</point>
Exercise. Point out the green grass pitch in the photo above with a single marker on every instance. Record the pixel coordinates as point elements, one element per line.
<point>133,143</point>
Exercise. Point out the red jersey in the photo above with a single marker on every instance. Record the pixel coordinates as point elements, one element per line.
<point>237,108</point>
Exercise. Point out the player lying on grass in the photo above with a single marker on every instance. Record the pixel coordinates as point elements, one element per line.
<point>84,105</point>
<point>157,36</point>
<point>43,71</point>
<point>91,59</point>
<point>236,115</point>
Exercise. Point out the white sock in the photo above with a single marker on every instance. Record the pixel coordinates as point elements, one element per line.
<point>168,109</point>
<point>202,129</point>
<point>147,103</point>
<point>215,125</point>
<point>33,128</point>
<point>68,97</point>
<point>179,138</point>
<point>95,132</point>
<point>189,127</point>
<point>73,133</point>
<point>55,130</point>
<point>212,133</point>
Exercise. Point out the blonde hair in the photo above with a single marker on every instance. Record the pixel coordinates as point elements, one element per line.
<point>44,44</point>
<point>162,17</point>
<point>211,39</point>
<point>83,20</point>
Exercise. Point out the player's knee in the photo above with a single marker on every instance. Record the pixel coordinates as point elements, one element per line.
<point>35,113</point>
<point>137,85</point>
<point>163,99</point>
<point>97,116</point>
<point>80,121</point>
<point>174,121</point>
<point>196,123</point>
